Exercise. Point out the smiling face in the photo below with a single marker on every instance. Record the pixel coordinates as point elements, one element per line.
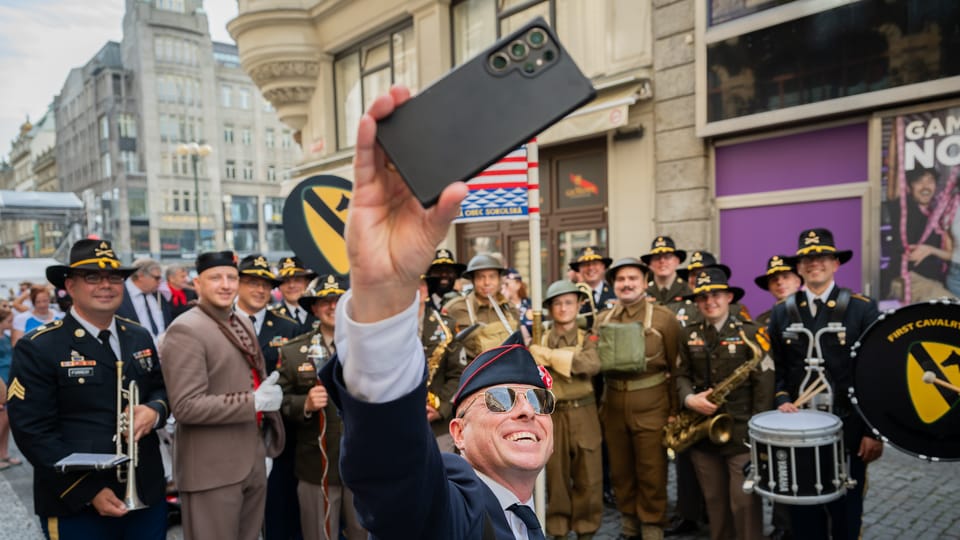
<point>818,270</point>
<point>217,286</point>
<point>783,284</point>
<point>715,305</point>
<point>486,282</point>
<point>923,189</point>
<point>325,309</point>
<point>592,272</point>
<point>508,447</point>
<point>664,265</point>
<point>94,300</point>
<point>292,288</point>
<point>564,308</point>
<point>629,284</point>
<point>253,293</point>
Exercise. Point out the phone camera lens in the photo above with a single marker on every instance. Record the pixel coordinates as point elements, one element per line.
<point>548,56</point>
<point>536,38</point>
<point>518,50</point>
<point>499,61</point>
<point>528,67</point>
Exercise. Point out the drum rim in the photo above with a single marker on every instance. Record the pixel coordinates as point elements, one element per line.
<point>836,424</point>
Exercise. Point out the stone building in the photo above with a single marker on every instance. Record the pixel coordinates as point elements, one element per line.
<point>123,116</point>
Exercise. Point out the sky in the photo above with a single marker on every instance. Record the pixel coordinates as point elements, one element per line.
<point>41,40</point>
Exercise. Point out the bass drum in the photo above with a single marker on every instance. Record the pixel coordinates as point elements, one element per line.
<point>889,391</point>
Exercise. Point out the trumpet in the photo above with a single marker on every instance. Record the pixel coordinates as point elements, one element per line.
<point>590,319</point>
<point>125,422</point>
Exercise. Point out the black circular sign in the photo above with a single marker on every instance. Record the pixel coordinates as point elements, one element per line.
<point>314,219</point>
<point>889,386</point>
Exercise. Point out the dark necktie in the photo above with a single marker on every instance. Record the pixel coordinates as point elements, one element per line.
<point>153,323</point>
<point>104,337</point>
<point>526,515</point>
<point>819,304</point>
<point>253,321</point>
<point>296,315</point>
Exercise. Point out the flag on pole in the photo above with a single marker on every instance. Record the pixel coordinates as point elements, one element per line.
<point>498,192</point>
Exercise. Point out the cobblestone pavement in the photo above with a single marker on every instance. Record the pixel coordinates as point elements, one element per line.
<point>907,498</point>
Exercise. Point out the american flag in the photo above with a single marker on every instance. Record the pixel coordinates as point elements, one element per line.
<point>499,191</point>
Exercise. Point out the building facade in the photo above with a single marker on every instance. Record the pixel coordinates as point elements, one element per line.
<point>729,125</point>
<point>124,115</point>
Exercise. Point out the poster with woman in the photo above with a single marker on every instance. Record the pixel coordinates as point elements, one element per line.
<point>920,214</point>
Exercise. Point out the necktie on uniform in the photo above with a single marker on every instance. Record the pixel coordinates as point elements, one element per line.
<point>104,337</point>
<point>526,515</point>
<point>253,321</point>
<point>153,323</point>
<point>817,306</point>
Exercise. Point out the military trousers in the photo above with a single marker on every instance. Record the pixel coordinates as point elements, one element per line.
<point>339,503</point>
<point>734,515</point>
<point>633,423</point>
<point>575,470</point>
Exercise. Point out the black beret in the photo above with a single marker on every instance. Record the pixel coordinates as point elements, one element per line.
<point>210,259</point>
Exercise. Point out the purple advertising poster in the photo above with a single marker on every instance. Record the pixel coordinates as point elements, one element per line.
<point>750,236</point>
<point>920,213</point>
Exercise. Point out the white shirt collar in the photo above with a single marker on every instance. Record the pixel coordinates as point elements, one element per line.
<point>95,332</point>
<point>506,498</point>
<point>823,297</point>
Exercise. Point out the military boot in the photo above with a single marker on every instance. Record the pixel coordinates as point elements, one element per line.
<point>651,532</point>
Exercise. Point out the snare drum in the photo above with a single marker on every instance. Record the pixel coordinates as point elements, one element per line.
<point>797,458</point>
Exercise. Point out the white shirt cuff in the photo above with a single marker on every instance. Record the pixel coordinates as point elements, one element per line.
<point>382,361</point>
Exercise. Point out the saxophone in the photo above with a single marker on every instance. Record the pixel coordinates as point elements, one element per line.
<point>433,363</point>
<point>691,426</point>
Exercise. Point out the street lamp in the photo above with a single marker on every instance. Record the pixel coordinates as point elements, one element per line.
<point>195,151</point>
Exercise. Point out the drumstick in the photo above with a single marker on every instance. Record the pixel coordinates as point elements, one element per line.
<point>930,377</point>
<point>809,394</point>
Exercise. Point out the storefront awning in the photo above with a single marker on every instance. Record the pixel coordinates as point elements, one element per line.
<point>608,111</point>
<point>40,206</point>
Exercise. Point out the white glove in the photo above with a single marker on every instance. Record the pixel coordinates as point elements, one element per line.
<point>269,395</point>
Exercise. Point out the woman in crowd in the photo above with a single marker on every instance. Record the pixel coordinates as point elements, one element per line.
<point>39,315</point>
<point>515,291</point>
<point>6,354</point>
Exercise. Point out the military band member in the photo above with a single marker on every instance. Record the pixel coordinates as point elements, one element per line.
<point>686,310</point>
<point>574,471</point>
<point>639,397</point>
<point>443,273</point>
<point>226,408</point>
<point>62,399</point>
<point>820,303</point>
<point>294,280</point>
<point>664,259</point>
<point>781,280</point>
<point>590,266</point>
<point>445,362</point>
<point>323,499</point>
<point>273,330</point>
<point>495,322</point>
<point>711,351</point>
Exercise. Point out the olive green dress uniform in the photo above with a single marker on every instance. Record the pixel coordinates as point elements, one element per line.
<point>274,333</point>
<point>575,470</point>
<point>491,332</point>
<point>450,366</point>
<point>707,357</point>
<point>297,376</point>
<point>674,293</point>
<point>635,409</point>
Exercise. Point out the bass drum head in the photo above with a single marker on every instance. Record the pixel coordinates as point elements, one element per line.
<point>888,388</point>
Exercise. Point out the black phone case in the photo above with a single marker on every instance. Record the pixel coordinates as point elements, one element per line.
<point>472,117</point>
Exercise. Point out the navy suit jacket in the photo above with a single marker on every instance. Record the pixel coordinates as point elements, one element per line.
<point>789,354</point>
<point>406,488</point>
<point>127,311</point>
<point>69,404</point>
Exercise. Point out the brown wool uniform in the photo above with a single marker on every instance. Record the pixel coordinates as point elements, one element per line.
<point>297,376</point>
<point>674,293</point>
<point>574,471</point>
<point>707,357</point>
<point>491,333</point>
<point>446,376</point>
<point>635,409</point>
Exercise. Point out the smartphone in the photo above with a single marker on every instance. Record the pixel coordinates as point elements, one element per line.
<point>482,110</point>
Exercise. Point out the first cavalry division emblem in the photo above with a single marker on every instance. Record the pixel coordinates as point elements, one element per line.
<point>906,370</point>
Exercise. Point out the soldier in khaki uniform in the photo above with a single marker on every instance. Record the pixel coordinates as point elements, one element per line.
<point>667,286</point>
<point>639,397</point>
<point>445,362</point>
<point>711,351</point>
<point>323,498</point>
<point>495,321</point>
<point>781,280</point>
<point>574,471</point>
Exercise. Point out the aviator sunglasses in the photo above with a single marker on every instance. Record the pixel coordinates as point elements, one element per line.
<point>501,399</point>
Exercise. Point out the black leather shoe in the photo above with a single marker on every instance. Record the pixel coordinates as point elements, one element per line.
<point>680,526</point>
<point>609,499</point>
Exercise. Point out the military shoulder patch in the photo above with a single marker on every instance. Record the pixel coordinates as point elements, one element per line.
<point>40,330</point>
<point>861,297</point>
<point>282,314</point>
<point>16,390</point>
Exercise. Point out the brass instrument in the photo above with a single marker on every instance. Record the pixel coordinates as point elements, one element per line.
<point>588,321</point>
<point>433,363</point>
<point>125,422</point>
<point>691,426</point>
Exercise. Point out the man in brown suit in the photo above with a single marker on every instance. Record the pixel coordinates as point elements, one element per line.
<point>640,395</point>
<point>225,408</point>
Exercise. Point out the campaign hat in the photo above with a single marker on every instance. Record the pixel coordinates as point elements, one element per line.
<point>88,254</point>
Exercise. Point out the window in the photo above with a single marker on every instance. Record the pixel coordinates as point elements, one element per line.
<point>248,170</point>
<point>226,95</point>
<point>231,169</point>
<point>104,127</point>
<point>137,203</point>
<point>245,137</point>
<point>130,162</point>
<point>268,139</point>
<point>273,210</point>
<point>287,140</point>
<point>368,70</point>
<point>243,209</point>
<point>105,167</point>
<point>228,134</point>
<point>271,173</point>
<point>127,125</point>
<point>173,202</point>
<point>244,98</point>
<point>170,5</point>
